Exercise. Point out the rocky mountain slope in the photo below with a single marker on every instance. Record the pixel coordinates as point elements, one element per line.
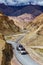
<point>33,25</point>
<point>36,28</point>
<point>25,15</point>
<point>21,15</point>
<point>25,20</point>
<point>7,26</point>
<point>22,20</point>
<point>6,52</point>
<point>2,46</point>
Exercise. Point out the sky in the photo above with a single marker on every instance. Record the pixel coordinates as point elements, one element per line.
<point>21,2</point>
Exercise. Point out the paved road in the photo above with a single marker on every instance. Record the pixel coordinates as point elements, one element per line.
<point>23,59</point>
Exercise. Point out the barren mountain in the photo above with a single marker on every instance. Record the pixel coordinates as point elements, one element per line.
<point>25,15</point>
<point>38,20</point>
<point>22,14</point>
<point>7,26</point>
<point>19,10</point>
<point>36,36</point>
<point>31,9</point>
<point>33,25</point>
<point>22,20</point>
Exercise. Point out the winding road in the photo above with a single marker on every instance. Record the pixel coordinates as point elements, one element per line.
<point>23,59</point>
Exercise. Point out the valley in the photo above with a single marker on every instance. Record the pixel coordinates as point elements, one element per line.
<point>24,27</point>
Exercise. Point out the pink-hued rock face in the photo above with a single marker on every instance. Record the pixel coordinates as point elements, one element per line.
<point>22,20</point>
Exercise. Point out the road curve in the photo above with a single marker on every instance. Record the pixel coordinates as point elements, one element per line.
<point>23,59</point>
